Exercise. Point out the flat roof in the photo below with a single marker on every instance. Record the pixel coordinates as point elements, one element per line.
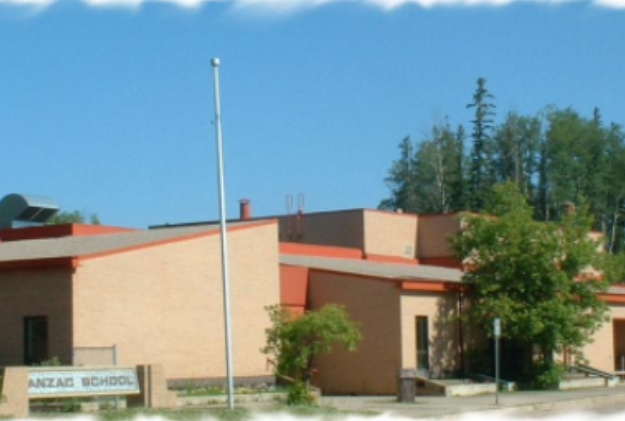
<point>68,247</point>
<point>374,269</point>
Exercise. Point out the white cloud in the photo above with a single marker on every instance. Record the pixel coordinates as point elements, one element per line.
<point>279,6</point>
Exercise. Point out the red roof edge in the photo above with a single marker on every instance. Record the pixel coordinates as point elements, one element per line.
<point>301,249</point>
<point>57,231</point>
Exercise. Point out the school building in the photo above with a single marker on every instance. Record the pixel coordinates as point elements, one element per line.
<point>157,295</point>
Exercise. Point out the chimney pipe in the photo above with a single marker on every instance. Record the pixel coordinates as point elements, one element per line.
<point>245,209</point>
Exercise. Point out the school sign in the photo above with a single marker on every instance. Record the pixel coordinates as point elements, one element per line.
<point>54,382</point>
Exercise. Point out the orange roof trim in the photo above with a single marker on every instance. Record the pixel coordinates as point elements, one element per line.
<point>301,249</point>
<point>175,240</point>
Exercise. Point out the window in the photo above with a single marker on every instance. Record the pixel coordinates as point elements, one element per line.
<point>423,344</point>
<point>35,339</point>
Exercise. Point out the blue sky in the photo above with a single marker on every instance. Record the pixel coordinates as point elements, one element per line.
<point>109,109</point>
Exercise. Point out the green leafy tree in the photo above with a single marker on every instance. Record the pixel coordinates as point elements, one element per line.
<point>540,278</point>
<point>516,143</point>
<point>438,171</point>
<point>75,217</point>
<point>296,341</point>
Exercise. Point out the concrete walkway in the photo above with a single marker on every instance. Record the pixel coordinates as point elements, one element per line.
<point>509,403</point>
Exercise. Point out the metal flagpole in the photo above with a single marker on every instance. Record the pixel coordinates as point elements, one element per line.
<point>224,240</point>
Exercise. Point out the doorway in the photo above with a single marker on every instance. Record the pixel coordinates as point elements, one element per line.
<point>423,344</point>
<point>35,339</point>
<point>619,344</point>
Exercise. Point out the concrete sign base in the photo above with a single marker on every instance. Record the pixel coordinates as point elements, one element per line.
<point>152,393</point>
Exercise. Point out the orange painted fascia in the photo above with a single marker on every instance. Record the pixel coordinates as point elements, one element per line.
<point>431,286</point>
<point>390,259</point>
<point>54,262</point>
<point>57,231</point>
<point>441,261</point>
<point>174,240</point>
<point>300,249</point>
<point>612,298</point>
<point>87,229</point>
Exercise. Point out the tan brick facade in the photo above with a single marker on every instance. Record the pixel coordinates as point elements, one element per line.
<point>163,305</point>
<point>390,234</point>
<point>434,232</point>
<point>373,368</point>
<point>160,304</point>
<point>15,391</point>
<point>440,310</point>
<point>27,293</point>
<point>341,228</point>
<point>601,351</point>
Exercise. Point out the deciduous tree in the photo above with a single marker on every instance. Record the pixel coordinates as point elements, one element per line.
<point>540,278</point>
<point>296,341</point>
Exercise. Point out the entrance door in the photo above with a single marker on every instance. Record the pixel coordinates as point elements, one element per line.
<point>619,344</point>
<point>423,344</point>
<point>35,339</point>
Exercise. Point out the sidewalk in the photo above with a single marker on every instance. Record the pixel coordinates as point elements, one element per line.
<point>439,406</point>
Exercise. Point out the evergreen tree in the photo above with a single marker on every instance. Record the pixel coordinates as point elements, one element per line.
<point>401,181</point>
<point>482,175</point>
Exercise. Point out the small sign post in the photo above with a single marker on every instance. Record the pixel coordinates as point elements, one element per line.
<point>497,332</point>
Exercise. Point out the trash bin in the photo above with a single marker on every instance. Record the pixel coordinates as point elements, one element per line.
<point>406,386</point>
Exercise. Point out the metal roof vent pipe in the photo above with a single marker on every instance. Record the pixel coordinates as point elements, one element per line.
<point>245,209</point>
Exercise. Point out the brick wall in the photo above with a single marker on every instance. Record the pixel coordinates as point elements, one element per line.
<point>434,232</point>
<point>600,352</point>
<point>164,304</point>
<point>341,228</point>
<point>390,234</point>
<point>15,391</point>
<point>45,292</point>
<point>444,344</point>
<point>374,367</point>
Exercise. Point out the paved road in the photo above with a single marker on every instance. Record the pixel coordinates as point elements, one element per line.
<point>602,411</point>
<point>603,402</point>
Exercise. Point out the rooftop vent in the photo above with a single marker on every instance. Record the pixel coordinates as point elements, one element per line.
<point>18,210</point>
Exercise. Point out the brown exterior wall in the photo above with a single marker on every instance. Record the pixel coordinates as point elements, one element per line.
<point>390,234</point>
<point>163,305</point>
<point>444,342</point>
<point>434,232</point>
<point>341,228</point>
<point>600,353</point>
<point>46,292</point>
<point>373,368</point>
